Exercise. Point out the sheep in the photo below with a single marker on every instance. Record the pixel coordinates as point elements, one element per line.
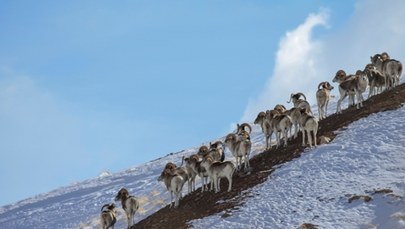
<point>308,123</point>
<point>174,184</point>
<point>191,174</point>
<point>353,85</point>
<point>300,103</point>
<point>266,128</point>
<point>240,149</point>
<point>376,80</point>
<point>182,171</point>
<point>195,164</point>
<point>108,216</point>
<point>218,170</point>
<point>341,74</point>
<point>279,123</point>
<point>322,98</point>
<point>203,151</point>
<point>129,203</point>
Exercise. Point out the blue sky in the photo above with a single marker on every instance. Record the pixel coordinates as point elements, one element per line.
<point>87,86</point>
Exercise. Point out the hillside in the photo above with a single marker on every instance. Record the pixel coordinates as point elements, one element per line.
<point>78,205</point>
<point>198,205</point>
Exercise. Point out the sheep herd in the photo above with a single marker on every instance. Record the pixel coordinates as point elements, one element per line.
<point>208,163</point>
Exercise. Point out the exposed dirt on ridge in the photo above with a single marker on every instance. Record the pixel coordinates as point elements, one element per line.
<point>201,204</point>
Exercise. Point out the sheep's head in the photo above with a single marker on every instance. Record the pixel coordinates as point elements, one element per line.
<point>260,117</point>
<point>194,158</point>
<point>369,67</point>
<point>170,166</point>
<point>208,160</point>
<point>280,108</point>
<point>385,56</point>
<point>339,77</point>
<point>110,207</point>
<point>376,58</point>
<point>122,194</point>
<point>325,85</point>
<point>230,138</point>
<point>203,150</point>
<point>244,134</point>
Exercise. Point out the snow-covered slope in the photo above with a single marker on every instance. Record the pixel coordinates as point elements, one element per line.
<point>315,188</point>
<point>366,157</point>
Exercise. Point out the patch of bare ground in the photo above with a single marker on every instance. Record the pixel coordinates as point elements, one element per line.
<point>308,226</point>
<point>199,204</point>
<point>360,197</point>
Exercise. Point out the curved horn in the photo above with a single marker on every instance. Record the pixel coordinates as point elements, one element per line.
<point>246,125</point>
<point>299,93</point>
<point>292,94</point>
<point>238,127</point>
<point>321,84</point>
<point>182,160</point>
<point>105,205</point>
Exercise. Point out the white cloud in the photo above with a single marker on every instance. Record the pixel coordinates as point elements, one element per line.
<point>295,68</point>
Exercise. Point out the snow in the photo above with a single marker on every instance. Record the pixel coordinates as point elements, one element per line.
<point>315,188</point>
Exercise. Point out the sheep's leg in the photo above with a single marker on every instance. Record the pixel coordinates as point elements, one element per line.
<point>338,106</point>
<point>171,198</point>
<point>214,180</point>
<point>212,184</point>
<point>361,99</point>
<point>278,138</point>
<point>128,220</point>
<point>230,183</point>
<point>176,204</point>
<point>203,184</point>
<point>285,138</point>
<point>132,219</point>
<point>315,133</point>
<point>296,130</point>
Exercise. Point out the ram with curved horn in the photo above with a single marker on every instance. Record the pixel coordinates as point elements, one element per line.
<point>322,98</point>
<point>240,149</point>
<point>266,127</point>
<point>350,86</point>
<point>108,216</point>
<point>300,103</point>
